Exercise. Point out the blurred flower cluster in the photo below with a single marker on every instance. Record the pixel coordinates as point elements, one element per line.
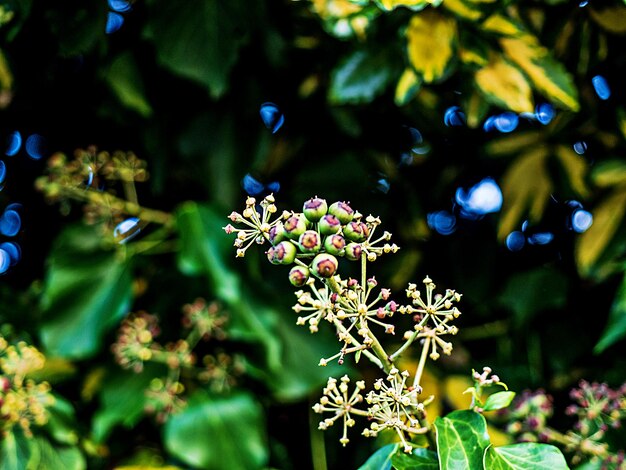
<point>23,401</point>
<point>136,346</point>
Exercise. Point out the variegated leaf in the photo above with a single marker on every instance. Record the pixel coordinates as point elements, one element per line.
<point>408,85</point>
<point>504,85</point>
<point>415,5</point>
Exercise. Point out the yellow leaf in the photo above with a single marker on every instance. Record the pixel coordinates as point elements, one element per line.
<point>462,9</point>
<point>6,78</point>
<point>526,188</point>
<point>621,121</point>
<point>607,218</point>
<point>413,4</point>
<point>472,56</point>
<point>408,85</point>
<point>335,8</point>
<point>547,75</point>
<point>453,387</point>
<point>513,143</point>
<point>500,24</point>
<point>475,109</point>
<point>576,168</point>
<point>504,85</point>
<point>609,173</point>
<point>431,42</point>
<point>612,19</point>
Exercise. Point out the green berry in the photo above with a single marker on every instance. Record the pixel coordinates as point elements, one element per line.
<point>324,265</point>
<point>353,251</point>
<point>295,226</point>
<point>283,253</point>
<point>329,224</point>
<point>356,231</point>
<point>335,244</point>
<point>277,233</point>
<point>310,242</point>
<point>315,208</point>
<point>342,211</point>
<point>298,275</point>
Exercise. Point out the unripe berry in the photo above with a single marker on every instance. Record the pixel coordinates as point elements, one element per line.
<point>342,211</point>
<point>315,208</point>
<point>295,226</point>
<point>353,251</point>
<point>329,224</point>
<point>335,244</point>
<point>356,231</point>
<point>277,233</point>
<point>283,253</point>
<point>310,242</point>
<point>324,265</point>
<point>299,275</point>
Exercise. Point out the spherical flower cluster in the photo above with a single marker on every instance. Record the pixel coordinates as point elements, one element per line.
<point>209,319</point>
<point>221,371</point>
<point>163,398</point>
<point>135,340</point>
<point>312,239</point>
<point>529,415</point>
<point>23,402</point>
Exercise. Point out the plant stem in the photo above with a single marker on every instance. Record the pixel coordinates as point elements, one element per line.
<point>422,363</point>
<point>318,447</point>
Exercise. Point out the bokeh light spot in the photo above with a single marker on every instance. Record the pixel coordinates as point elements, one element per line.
<point>13,250</point>
<point>14,143</point>
<point>483,198</point>
<point>35,146</point>
<point>540,238</point>
<point>580,147</point>
<point>581,220</point>
<point>119,5</point>
<point>10,223</point>
<point>271,116</point>
<point>544,112</point>
<point>506,122</point>
<point>383,185</point>
<point>602,87</point>
<point>443,222</point>
<point>515,241</point>
<point>5,261</point>
<point>454,117</point>
<point>114,22</point>
<point>3,171</point>
<point>127,230</point>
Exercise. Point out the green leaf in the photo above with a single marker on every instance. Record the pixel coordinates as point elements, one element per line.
<point>616,327</point>
<point>609,173</point>
<point>415,5</point>
<point>87,291</point>
<point>61,423</point>
<point>206,249</point>
<point>499,400</point>
<point>529,293</point>
<point>381,459</point>
<point>200,43</point>
<point>360,77</point>
<point>125,80</point>
<point>419,459</point>
<point>525,456</point>
<point>46,456</point>
<point>14,451</point>
<point>612,19</point>
<point>216,432</point>
<point>461,439</point>
<point>122,400</point>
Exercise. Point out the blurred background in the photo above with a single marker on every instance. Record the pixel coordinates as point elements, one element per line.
<point>489,137</point>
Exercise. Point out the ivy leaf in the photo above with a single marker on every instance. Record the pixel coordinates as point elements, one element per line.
<point>431,43</point>
<point>461,439</point>
<point>87,291</point>
<point>526,187</point>
<point>14,451</point>
<point>381,459</point>
<point>611,19</point>
<point>44,455</point>
<point>419,459</point>
<point>415,5</point>
<point>608,216</point>
<point>200,43</point>
<point>360,77</point>
<point>499,400</point>
<point>616,327</point>
<point>215,432</point>
<point>504,85</point>
<point>465,9</point>
<point>124,79</point>
<point>547,75</point>
<point>524,456</point>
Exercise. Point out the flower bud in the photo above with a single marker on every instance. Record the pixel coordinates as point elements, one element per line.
<point>295,226</point>
<point>342,211</point>
<point>335,244</point>
<point>310,242</point>
<point>353,251</point>
<point>299,275</point>
<point>356,231</point>
<point>324,265</point>
<point>277,233</point>
<point>329,224</point>
<point>315,208</point>
<point>283,253</point>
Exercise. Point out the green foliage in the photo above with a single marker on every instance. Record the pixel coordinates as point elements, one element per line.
<point>526,455</point>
